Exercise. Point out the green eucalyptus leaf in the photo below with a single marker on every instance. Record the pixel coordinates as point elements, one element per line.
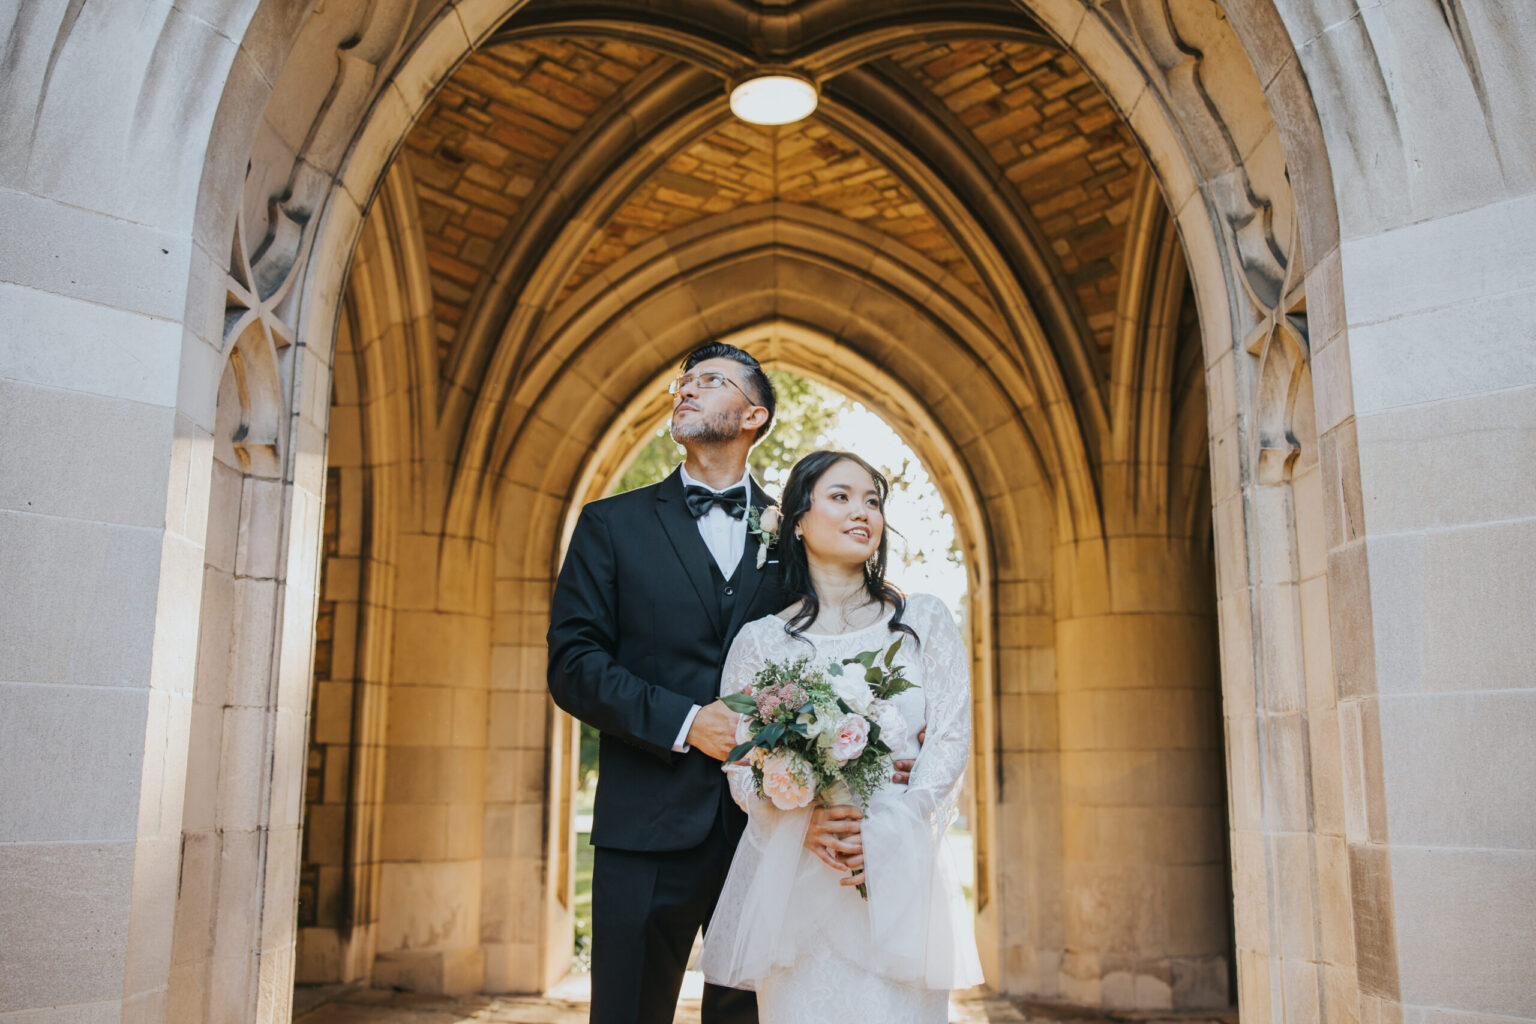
<point>835,669</point>
<point>739,751</point>
<point>890,654</point>
<point>740,703</point>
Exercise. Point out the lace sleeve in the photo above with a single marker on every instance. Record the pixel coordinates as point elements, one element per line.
<point>914,903</point>
<point>934,789</point>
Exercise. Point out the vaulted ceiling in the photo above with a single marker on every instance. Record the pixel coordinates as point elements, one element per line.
<point>1049,135</point>
<point>580,134</point>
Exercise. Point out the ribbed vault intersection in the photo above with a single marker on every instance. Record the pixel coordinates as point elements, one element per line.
<point>564,144</point>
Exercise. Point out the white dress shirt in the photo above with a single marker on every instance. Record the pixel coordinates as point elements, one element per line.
<point>726,538</point>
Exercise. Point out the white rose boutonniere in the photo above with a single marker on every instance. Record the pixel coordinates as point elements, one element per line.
<point>763,523</point>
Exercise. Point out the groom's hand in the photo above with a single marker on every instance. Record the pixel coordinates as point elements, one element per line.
<point>901,771</point>
<point>714,730</point>
<point>834,836</point>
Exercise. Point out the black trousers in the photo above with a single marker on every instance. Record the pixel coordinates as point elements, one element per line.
<point>646,910</point>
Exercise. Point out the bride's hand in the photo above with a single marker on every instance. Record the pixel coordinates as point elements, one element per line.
<point>901,771</point>
<point>833,831</point>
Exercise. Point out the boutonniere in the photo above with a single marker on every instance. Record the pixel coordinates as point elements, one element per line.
<point>763,523</point>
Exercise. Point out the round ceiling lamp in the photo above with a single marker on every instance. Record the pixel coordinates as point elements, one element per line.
<point>773,97</point>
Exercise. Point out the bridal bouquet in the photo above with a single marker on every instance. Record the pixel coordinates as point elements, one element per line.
<point>810,732</point>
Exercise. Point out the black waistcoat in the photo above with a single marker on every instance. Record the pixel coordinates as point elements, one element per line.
<point>725,589</point>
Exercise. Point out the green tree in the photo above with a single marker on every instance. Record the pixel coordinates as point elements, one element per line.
<point>806,413</point>
<point>652,463</point>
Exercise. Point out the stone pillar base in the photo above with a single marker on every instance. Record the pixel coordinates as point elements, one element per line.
<point>1125,982</point>
<point>449,972</point>
<point>519,968</point>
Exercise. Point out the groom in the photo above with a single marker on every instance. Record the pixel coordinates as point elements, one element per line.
<point>655,586</point>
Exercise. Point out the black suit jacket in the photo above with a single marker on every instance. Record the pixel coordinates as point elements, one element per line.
<point>636,638</point>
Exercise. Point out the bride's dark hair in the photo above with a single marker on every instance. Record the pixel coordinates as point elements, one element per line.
<point>796,572</point>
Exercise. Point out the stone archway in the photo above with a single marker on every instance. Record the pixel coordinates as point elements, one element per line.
<point>544,410</point>
<point>312,107</point>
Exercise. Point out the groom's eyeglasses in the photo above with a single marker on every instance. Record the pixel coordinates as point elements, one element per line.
<point>706,382</point>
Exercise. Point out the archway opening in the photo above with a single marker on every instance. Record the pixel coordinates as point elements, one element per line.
<point>925,558</point>
<point>819,243</point>
<point>526,311</point>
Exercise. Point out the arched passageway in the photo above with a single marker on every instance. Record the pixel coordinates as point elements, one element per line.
<point>968,239</point>
<point>1087,255</point>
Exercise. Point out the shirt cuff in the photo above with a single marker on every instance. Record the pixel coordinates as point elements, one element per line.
<point>681,746</point>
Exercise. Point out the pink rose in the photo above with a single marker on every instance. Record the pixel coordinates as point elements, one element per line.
<point>786,781</point>
<point>852,735</point>
<point>770,519</point>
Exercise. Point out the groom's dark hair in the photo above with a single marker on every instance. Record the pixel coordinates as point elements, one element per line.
<point>760,387</point>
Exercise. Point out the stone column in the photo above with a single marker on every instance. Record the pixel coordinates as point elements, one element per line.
<point>532,748</point>
<point>1023,919</point>
<point>431,877</point>
<point>1146,910</point>
<point>524,731</point>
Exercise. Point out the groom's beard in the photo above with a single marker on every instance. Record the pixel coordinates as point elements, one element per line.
<point>722,426</point>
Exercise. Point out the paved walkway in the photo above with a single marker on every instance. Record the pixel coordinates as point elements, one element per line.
<point>568,1005</point>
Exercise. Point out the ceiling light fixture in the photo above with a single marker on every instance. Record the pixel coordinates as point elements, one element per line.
<point>773,97</point>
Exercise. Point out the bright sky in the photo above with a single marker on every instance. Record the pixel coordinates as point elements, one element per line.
<point>917,511</point>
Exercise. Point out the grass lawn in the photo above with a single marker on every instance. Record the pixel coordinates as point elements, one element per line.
<point>583,889</point>
<point>582,948</point>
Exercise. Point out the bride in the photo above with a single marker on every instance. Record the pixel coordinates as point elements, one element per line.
<point>790,921</point>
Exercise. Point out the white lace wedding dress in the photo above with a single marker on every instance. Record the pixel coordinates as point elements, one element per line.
<point>813,949</point>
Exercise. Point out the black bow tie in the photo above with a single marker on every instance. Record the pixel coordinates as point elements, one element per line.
<point>701,499</point>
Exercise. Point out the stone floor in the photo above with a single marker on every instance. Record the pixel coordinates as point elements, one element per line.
<point>567,1004</point>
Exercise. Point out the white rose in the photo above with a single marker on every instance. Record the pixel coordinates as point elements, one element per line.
<point>893,725</point>
<point>853,690</point>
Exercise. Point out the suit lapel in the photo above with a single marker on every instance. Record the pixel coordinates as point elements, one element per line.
<point>750,576</point>
<point>683,531</point>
